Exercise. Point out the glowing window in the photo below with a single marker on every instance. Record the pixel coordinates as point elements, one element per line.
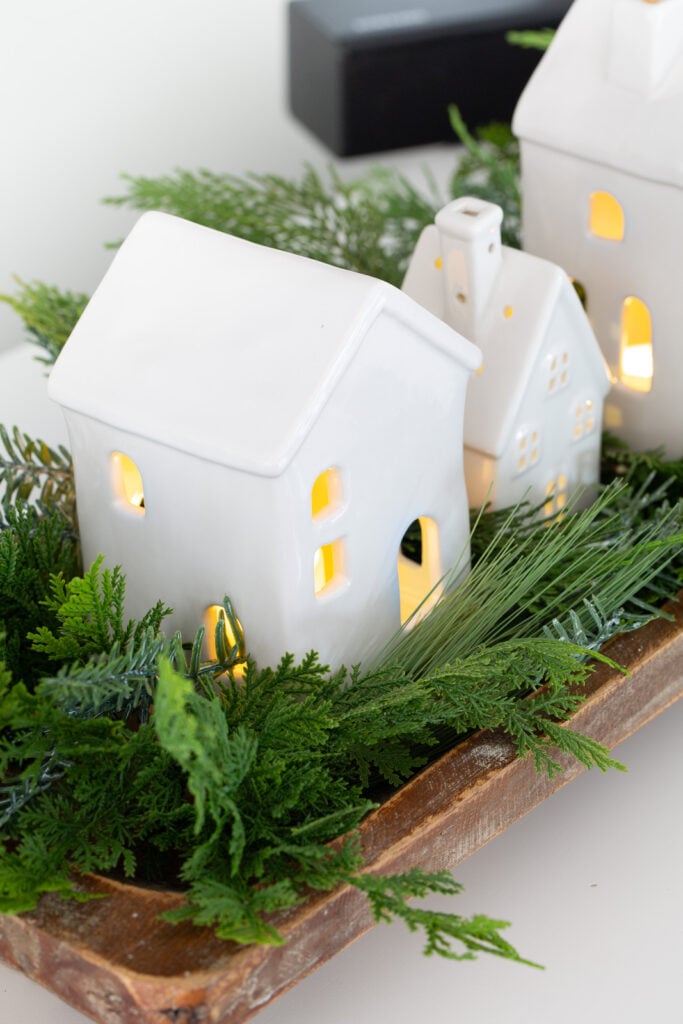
<point>326,493</point>
<point>128,482</point>
<point>555,495</point>
<point>328,566</point>
<point>419,569</point>
<point>558,372</point>
<point>606,218</point>
<point>527,452</point>
<point>223,635</point>
<point>584,419</point>
<point>636,361</point>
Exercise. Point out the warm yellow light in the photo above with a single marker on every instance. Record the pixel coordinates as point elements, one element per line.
<point>606,218</point>
<point>417,580</point>
<point>636,359</point>
<point>128,481</point>
<point>561,498</point>
<point>508,312</point>
<point>328,565</point>
<point>637,367</point>
<point>555,496</point>
<point>326,493</point>
<point>215,615</point>
<point>438,263</point>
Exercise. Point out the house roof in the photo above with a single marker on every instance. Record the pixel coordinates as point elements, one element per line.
<point>610,88</point>
<point>530,290</point>
<point>225,349</point>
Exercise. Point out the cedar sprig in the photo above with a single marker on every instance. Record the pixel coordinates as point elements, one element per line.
<point>489,169</point>
<point>90,613</point>
<point>447,935</point>
<point>369,224</point>
<point>49,314</point>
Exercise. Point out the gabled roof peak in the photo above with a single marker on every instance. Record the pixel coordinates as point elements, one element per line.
<point>609,90</point>
<point>225,349</point>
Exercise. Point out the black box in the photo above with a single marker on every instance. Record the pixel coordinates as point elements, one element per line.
<point>371,75</point>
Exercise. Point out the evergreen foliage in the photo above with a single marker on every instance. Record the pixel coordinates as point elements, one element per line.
<point>32,469</point>
<point>648,472</point>
<point>89,610</point>
<point>34,543</point>
<point>139,758</point>
<point>49,314</point>
<point>369,224</point>
<point>388,896</point>
<point>529,39</point>
<point>126,751</point>
<point>489,169</point>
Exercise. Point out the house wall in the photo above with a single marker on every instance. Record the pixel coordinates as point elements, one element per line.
<point>555,442</point>
<point>645,264</point>
<point>398,448</point>
<point>208,531</point>
<point>194,544</point>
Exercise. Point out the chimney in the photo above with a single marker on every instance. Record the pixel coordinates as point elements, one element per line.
<point>469,231</point>
<point>645,43</point>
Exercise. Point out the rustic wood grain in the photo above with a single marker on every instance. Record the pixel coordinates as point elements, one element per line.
<point>115,961</point>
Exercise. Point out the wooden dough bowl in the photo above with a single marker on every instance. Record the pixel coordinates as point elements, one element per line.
<point>115,961</point>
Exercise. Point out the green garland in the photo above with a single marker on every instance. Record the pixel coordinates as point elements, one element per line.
<point>122,751</point>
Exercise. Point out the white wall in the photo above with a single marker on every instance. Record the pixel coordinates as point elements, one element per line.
<point>93,88</point>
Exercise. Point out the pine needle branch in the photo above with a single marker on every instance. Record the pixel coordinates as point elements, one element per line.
<point>520,584</point>
<point>32,469</point>
<point>116,683</point>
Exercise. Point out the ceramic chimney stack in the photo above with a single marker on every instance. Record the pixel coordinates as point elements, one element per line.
<point>646,42</point>
<point>469,231</point>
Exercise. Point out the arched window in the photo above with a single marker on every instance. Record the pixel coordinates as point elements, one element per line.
<point>636,359</point>
<point>128,482</point>
<point>606,217</point>
<point>419,568</point>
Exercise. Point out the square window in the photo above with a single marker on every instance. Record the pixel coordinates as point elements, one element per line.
<point>328,566</point>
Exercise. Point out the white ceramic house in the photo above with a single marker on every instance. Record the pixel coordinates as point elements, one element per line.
<point>602,161</point>
<point>534,410</point>
<point>252,423</point>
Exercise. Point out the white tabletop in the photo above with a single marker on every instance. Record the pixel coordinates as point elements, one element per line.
<point>591,880</point>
